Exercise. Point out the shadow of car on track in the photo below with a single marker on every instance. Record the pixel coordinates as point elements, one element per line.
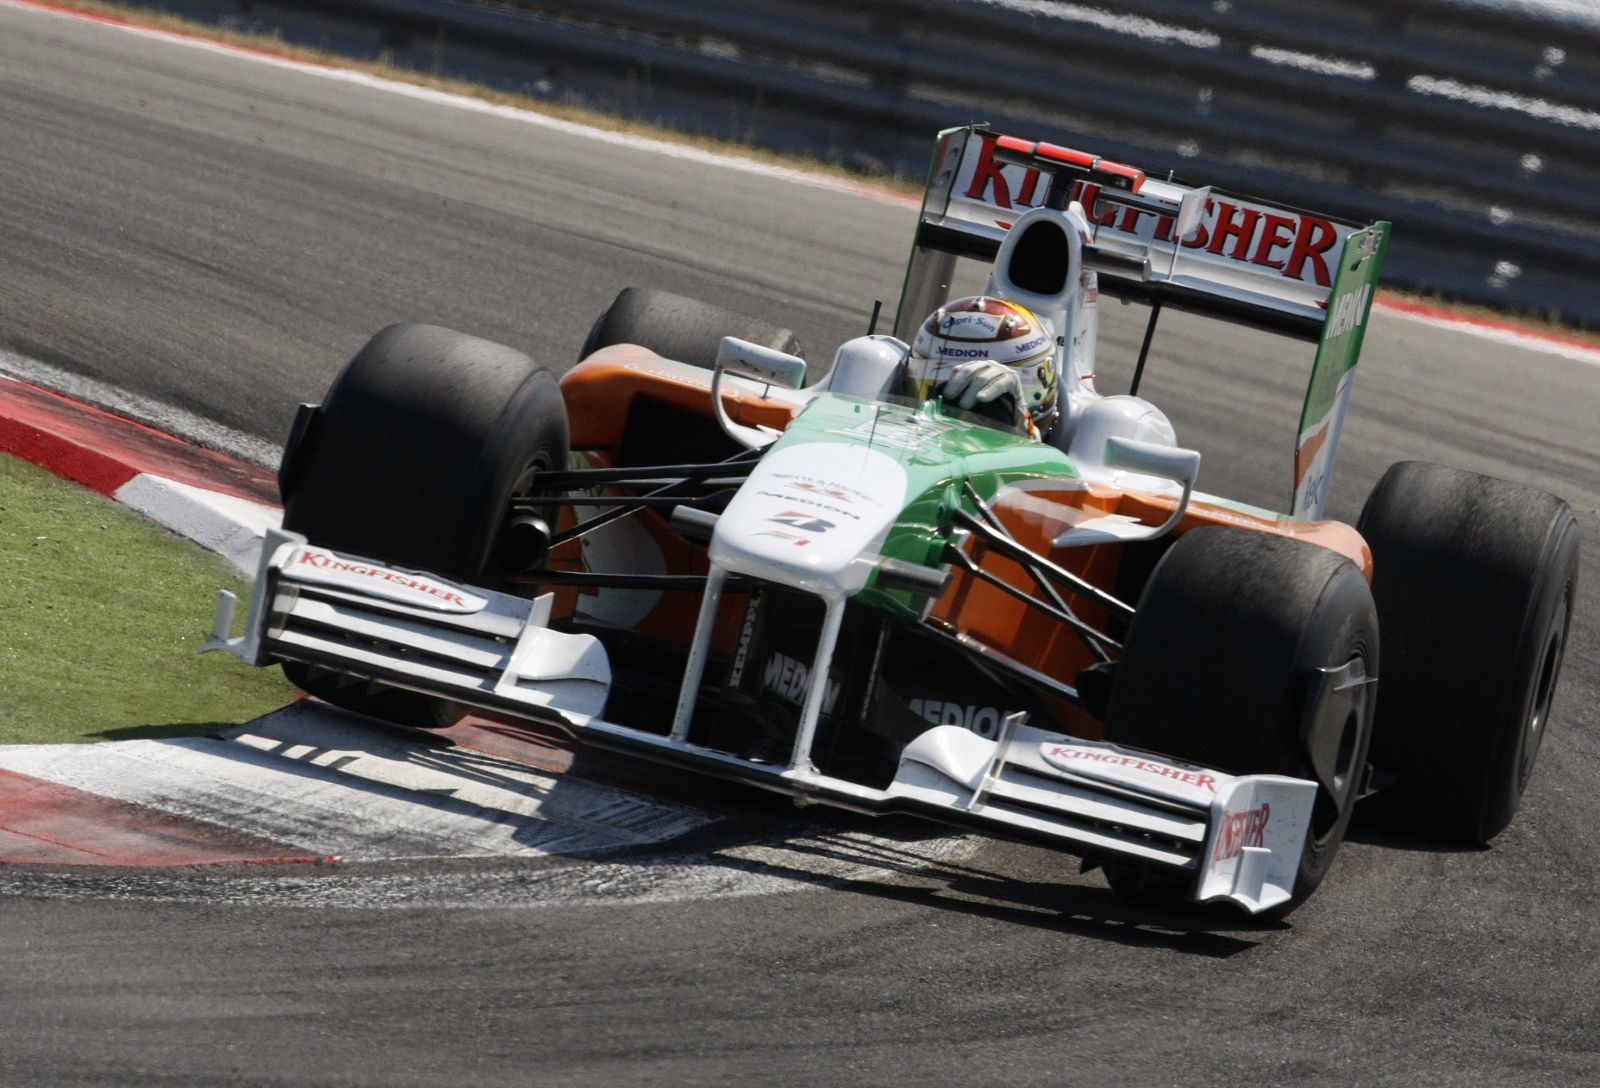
<point>1371,826</point>
<point>1081,909</point>
<point>164,731</point>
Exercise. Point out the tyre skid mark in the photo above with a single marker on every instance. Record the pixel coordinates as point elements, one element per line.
<point>308,783</point>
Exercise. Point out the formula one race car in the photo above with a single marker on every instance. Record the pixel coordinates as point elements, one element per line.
<point>881,601</point>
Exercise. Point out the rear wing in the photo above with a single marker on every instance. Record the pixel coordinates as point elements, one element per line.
<point>1200,249</point>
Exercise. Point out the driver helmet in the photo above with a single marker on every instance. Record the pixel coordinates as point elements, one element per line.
<point>987,328</point>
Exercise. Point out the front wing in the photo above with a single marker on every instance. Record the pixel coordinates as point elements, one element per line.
<point>1234,838</point>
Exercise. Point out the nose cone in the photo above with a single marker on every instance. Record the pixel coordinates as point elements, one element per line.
<point>813,516</point>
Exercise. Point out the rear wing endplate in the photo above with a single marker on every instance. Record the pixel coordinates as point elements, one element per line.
<point>1333,374</point>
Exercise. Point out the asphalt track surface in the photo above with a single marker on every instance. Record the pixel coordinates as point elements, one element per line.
<point>220,234</point>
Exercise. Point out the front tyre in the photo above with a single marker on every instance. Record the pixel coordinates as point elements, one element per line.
<point>412,460</point>
<point>1254,654</point>
<point>1475,580</point>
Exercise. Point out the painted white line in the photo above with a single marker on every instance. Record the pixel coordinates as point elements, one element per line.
<point>1523,339</point>
<point>520,115</point>
<point>146,410</point>
<point>802,859</point>
<point>230,526</point>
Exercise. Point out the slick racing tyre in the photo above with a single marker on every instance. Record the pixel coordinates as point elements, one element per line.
<point>412,460</point>
<point>1221,664</point>
<point>679,328</point>
<point>1475,580</point>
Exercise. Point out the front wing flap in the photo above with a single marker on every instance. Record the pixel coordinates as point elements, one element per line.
<point>1240,837</point>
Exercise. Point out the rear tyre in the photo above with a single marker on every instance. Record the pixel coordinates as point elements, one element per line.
<point>1475,580</point>
<point>683,329</point>
<point>412,460</point>
<point>1220,668</point>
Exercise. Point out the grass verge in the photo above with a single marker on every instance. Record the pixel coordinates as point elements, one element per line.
<point>101,613</point>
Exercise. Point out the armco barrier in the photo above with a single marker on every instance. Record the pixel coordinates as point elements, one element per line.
<point>1475,126</point>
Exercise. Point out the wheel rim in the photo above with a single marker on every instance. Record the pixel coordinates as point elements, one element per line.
<point>1543,693</point>
<point>1330,806</point>
<point>1335,798</point>
<point>501,565</point>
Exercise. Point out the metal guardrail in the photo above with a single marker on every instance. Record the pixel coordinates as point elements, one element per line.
<point>1474,126</point>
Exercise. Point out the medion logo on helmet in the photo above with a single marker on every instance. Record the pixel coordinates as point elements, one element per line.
<point>948,351</point>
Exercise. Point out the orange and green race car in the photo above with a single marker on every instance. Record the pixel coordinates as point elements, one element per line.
<point>885,602</point>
